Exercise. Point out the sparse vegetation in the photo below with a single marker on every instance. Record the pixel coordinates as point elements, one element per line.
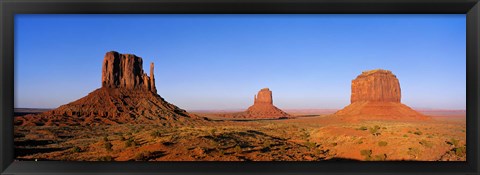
<point>105,138</point>
<point>143,156</point>
<point>130,142</point>
<point>213,131</point>
<point>374,130</point>
<point>453,142</point>
<point>156,133</point>
<point>238,149</point>
<point>366,153</point>
<point>461,151</point>
<point>108,146</point>
<point>262,140</point>
<point>382,143</point>
<point>380,157</point>
<point>311,145</point>
<point>105,158</point>
<point>363,128</point>
<point>282,148</point>
<point>417,132</point>
<point>76,149</point>
<point>426,143</point>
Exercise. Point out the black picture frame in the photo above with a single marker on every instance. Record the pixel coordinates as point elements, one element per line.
<point>9,8</point>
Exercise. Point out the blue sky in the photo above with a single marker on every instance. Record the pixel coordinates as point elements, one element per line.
<point>220,61</point>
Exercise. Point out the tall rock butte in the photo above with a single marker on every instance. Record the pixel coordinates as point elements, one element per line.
<point>127,95</point>
<point>263,107</point>
<point>125,71</point>
<point>376,95</point>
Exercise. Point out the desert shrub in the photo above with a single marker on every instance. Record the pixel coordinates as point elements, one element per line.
<point>382,143</point>
<point>213,131</point>
<point>366,152</point>
<point>122,138</point>
<point>384,127</point>
<point>417,133</point>
<point>405,135</point>
<point>108,146</point>
<point>282,148</point>
<point>380,157</point>
<point>374,131</point>
<point>311,145</point>
<point>460,151</point>
<point>221,152</point>
<point>363,128</point>
<point>76,149</point>
<point>426,143</point>
<point>453,142</point>
<point>305,135</point>
<point>156,133</point>
<point>410,132</point>
<point>105,158</point>
<point>429,136</point>
<point>130,142</point>
<point>238,149</point>
<point>334,144</point>
<point>105,138</point>
<point>143,156</point>
<point>267,144</point>
<point>360,142</point>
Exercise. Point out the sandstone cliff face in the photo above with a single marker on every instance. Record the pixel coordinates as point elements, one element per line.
<point>126,71</point>
<point>127,95</point>
<point>376,95</point>
<point>264,97</point>
<point>377,86</point>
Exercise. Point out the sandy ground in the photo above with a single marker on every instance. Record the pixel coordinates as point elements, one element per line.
<point>306,138</point>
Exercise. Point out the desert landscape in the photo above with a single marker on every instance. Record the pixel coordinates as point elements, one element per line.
<point>126,120</point>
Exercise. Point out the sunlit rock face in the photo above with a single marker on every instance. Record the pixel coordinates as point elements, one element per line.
<point>376,95</point>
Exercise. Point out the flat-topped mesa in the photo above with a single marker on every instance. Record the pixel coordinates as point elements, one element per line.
<point>376,86</point>
<point>264,97</point>
<point>376,96</point>
<point>126,71</point>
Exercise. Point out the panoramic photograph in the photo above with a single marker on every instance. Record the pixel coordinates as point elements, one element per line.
<point>240,87</point>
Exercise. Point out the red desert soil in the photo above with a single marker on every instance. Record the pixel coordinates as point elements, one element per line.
<point>301,139</point>
<point>126,120</point>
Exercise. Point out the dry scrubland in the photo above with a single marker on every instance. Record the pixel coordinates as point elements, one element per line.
<point>301,139</point>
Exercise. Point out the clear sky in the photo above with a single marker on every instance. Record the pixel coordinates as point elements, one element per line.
<point>220,61</point>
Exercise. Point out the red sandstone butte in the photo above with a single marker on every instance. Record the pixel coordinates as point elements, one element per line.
<point>263,107</point>
<point>376,95</point>
<point>127,95</point>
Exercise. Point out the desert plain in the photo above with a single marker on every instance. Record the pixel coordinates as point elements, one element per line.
<point>126,120</point>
